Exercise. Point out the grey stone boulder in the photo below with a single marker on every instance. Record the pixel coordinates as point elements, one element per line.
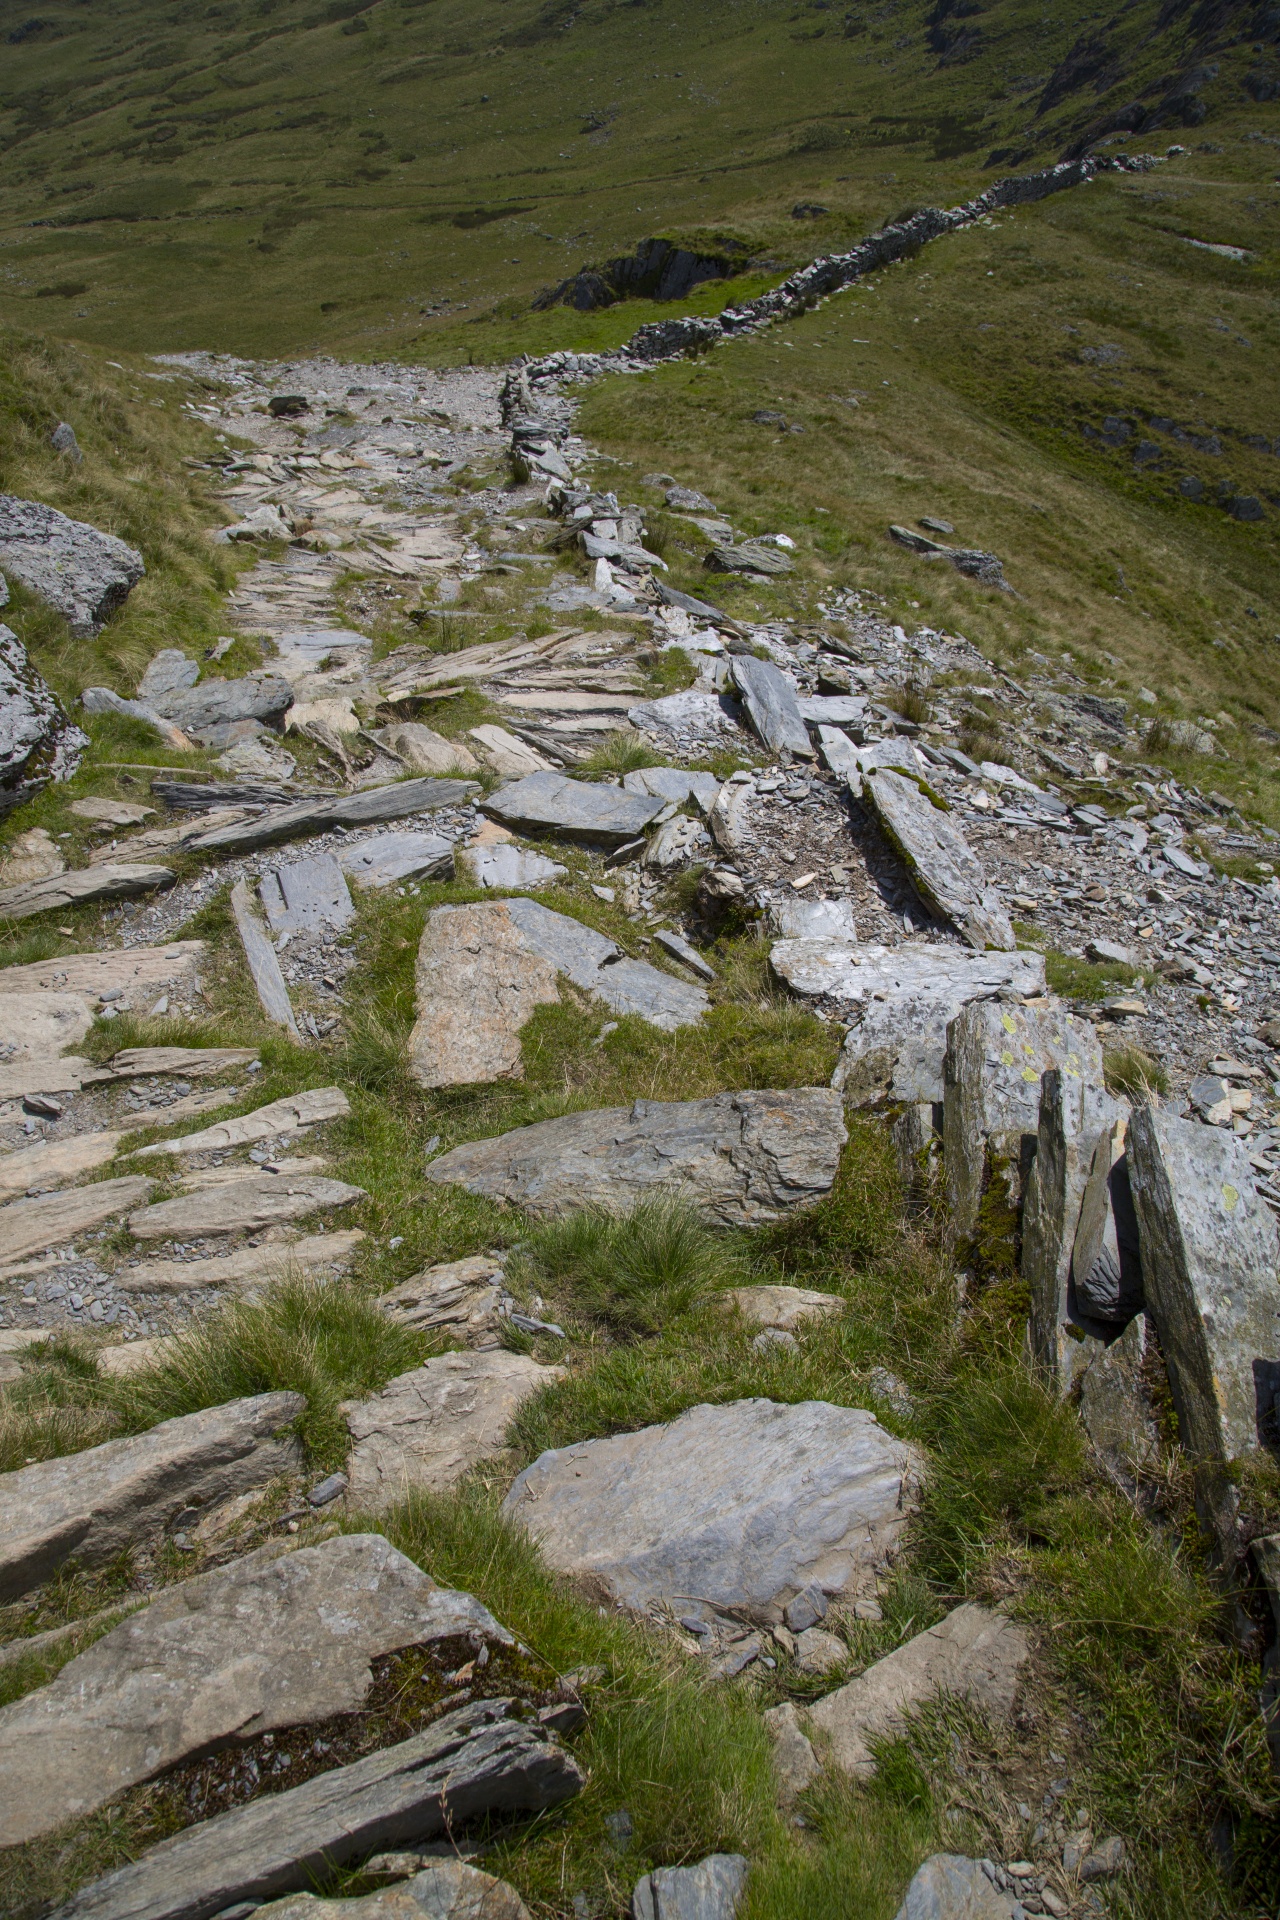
<point>63,440</point>
<point>783,1308</point>
<point>709,1891</point>
<point>674,783</point>
<point>390,859</point>
<point>950,1887</point>
<point>217,703</point>
<point>772,706</point>
<point>799,919</point>
<point>1078,1125</point>
<point>748,558</point>
<point>731,1508</point>
<point>483,969</point>
<point>899,1002</point>
<point>427,1428</point>
<point>104,700</point>
<point>423,750</point>
<point>1210,1254</point>
<point>577,810</point>
<point>168,672</point>
<point>93,1505</point>
<point>944,869</point>
<point>86,576</point>
<point>744,1159</point>
<point>460,1297</point>
<point>368,808</point>
<point>475,1761</point>
<point>504,867</point>
<point>308,896</point>
<point>997,1053</point>
<point>973,1655</point>
<point>276,1639</point>
<point>445,1890</point>
<point>37,741</point>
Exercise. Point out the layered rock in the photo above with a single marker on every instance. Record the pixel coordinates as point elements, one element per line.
<point>427,1428</point>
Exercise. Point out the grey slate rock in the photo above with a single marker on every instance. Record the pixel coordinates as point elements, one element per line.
<point>169,672</point>
<point>687,500</point>
<point>308,896</point>
<point>747,558</point>
<point>81,886</point>
<point>796,918</point>
<point>672,597</point>
<point>37,741</point>
<point>709,1891</point>
<point>63,440</point>
<point>944,869</point>
<point>572,809</point>
<point>276,1639</point>
<point>1116,1405</point>
<point>86,576</point>
<point>674,783</point>
<point>217,703</point>
<point>94,1504</point>
<point>735,1507</point>
<point>392,858</point>
<point>263,965</point>
<point>244,1205</point>
<point>679,949</point>
<point>1106,1260</point>
<point>104,700</point>
<point>950,1887</point>
<point>1076,1124</point>
<point>744,1158</point>
<point>468,1763</point>
<point>772,706</point>
<point>373,805</point>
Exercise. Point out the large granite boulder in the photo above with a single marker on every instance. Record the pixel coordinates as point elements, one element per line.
<point>276,1639</point>
<point>427,1428</point>
<point>744,1159</point>
<point>37,741</point>
<point>85,575</point>
<point>552,803</point>
<point>483,969</point>
<point>94,1505</point>
<point>944,869</point>
<point>734,1508</point>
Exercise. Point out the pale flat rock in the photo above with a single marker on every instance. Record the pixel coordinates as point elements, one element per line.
<point>112,813</point>
<point>81,887</point>
<point>125,970</point>
<point>944,869</point>
<point>239,1206</point>
<point>483,969</point>
<point>729,818</point>
<point>744,1159</point>
<point>504,866</point>
<point>259,757</point>
<point>134,1356</point>
<point>277,1639</point>
<point>41,1023</point>
<point>55,1162</point>
<point>675,843</point>
<point>795,1764</point>
<point>572,809</point>
<point>45,1073</point>
<point>192,1106</point>
<point>94,1504</point>
<point>262,961</point>
<point>709,1891</point>
<point>1210,1255</point>
<point>446,1890</point>
<point>85,575</point>
<point>389,859</point>
<point>798,919</point>
<point>996,1055</point>
<point>425,751</point>
<point>290,1115</point>
<point>29,1226</point>
<point>309,1254</point>
<point>169,671</point>
<point>839,756</point>
<point>833,709</point>
<point>733,1507</point>
<point>772,706</point>
<point>193,1063</point>
<point>508,755</point>
<point>429,1427</point>
<point>364,809</point>
<point>818,1651</point>
<point>950,1887</point>
<point>1078,1120</point>
<point>674,783</point>
<point>32,855</point>
<point>308,896</point>
<point>973,1655</point>
<point>469,1763</point>
<point>900,1002</point>
<point>457,1296</point>
<point>783,1307</point>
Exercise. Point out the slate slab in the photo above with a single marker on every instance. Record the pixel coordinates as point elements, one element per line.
<point>104,700</point>
<point>468,1763</point>
<point>772,706</point>
<point>709,1891</point>
<point>996,1055</point>
<point>681,713</point>
<point>744,1159</point>
<point>263,964</point>
<point>502,866</point>
<point>124,970</point>
<point>674,783</point>
<point>574,810</point>
<point>445,1890</point>
<point>427,1428</point>
<point>30,1226</point>
<point>92,1505</point>
<point>290,1115</point>
<point>950,1887</point>
<point>193,1063</point>
<point>308,896</point>
<point>799,919</point>
<point>42,1023</point>
<point>733,1507</point>
<point>82,887</point>
<point>974,1655</point>
<point>1116,1404</point>
<point>423,750</point>
<point>168,672</point>
<point>389,859</point>
<point>85,575</point>
<point>266,697</point>
<point>783,1308</point>
<point>1076,1123</point>
<point>943,867</point>
<point>242,1206</point>
<point>507,755</point>
<point>247,1267</point>
<point>457,1296</point>
<point>56,1161</point>
<point>37,741</point>
<point>276,1639</point>
<point>367,808</point>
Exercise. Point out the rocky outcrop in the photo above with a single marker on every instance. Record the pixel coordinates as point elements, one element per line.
<point>37,741</point>
<point>427,1428</point>
<point>86,576</point>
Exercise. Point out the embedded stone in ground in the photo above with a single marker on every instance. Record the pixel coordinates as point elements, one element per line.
<point>503,866</point>
<point>290,1115</point>
<point>508,755</point>
<point>193,1063</point>
<point>772,706</point>
<point>950,1887</point>
<point>124,970</point>
<point>429,1427</point>
<point>367,808</point>
<point>308,896</point>
<point>1116,1405</point>
<point>783,1308</point>
<point>41,1023</point>
<point>32,855</point>
<point>974,1655</point>
<point>93,1505</point>
<point>674,783</point>
<point>572,809</point>
<point>241,1206</point>
<point>709,1891</point>
<point>425,751</point>
<point>944,869</point>
<point>389,859</point>
<point>82,887</point>
<point>30,1226</point>
<point>737,1507</point>
<point>744,1159</point>
<point>262,961</point>
<point>249,1266</point>
<point>460,1296</point>
<point>53,1162</point>
<point>443,1890</point>
<point>276,1639</point>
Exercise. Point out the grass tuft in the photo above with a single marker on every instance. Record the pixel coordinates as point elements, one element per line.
<point>635,1273</point>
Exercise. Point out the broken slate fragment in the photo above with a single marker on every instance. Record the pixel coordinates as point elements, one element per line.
<point>744,1159</point>
<point>260,957</point>
<point>367,808</point>
<point>572,809</point>
<point>86,576</point>
<point>1077,1123</point>
<point>427,1428</point>
<point>504,867</point>
<point>944,869</point>
<point>168,672</point>
<point>772,706</point>
<point>674,783</point>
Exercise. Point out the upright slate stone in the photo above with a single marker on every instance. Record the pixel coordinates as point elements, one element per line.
<point>392,802</point>
<point>709,1891</point>
<point>944,869</point>
<point>86,576</point>
<point>772,706</point>
<point>1077,1123</point>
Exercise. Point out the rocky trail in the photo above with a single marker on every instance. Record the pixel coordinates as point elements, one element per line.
<point>1046,986</point>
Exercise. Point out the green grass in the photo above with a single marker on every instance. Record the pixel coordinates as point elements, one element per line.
<point>1133,1072</point>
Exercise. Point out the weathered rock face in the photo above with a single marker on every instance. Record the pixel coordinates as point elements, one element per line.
<point>446,1890</point>
<point>950,1887</point>
<point>996,1055</point>
<point>973,1654</point>
<point>468,1763</point>
<point>429,1427</point>
<point>307,896</point>
<point>772,706</point>
<point>737,1507</point>
<point>37,741</point>
<point>901,1001</point>
<point>826,920</point>
<point>743,1158</point>
<point>674,783</point>
<point>483,969</point>
<point>42,1023</point>
<point>1077,1123</point>
<point>460,1296</point>
<point>573,809</point>
<point>127,970</point>
<point>85,575</point>
<point>93,1505</point>
<point>242,1205</point>
<point>1116,1407</point>
<point>944,869</point>
<point>1210,1254</point>
<point>277,1639</point>
<point>709,1891</point>
<point>32,855</point>
<point>168,672</point>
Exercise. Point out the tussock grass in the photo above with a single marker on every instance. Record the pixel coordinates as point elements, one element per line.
<point>1133,1072</point>
<point>621,752</point>
<point>635,1272</point>
<point>1086,979</point>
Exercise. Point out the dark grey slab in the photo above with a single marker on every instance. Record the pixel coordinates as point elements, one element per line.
<point>347,810</point>
<point>309,895</point>
<point>263,965</point>
<point>573,809</point>
<point>772,706</point>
